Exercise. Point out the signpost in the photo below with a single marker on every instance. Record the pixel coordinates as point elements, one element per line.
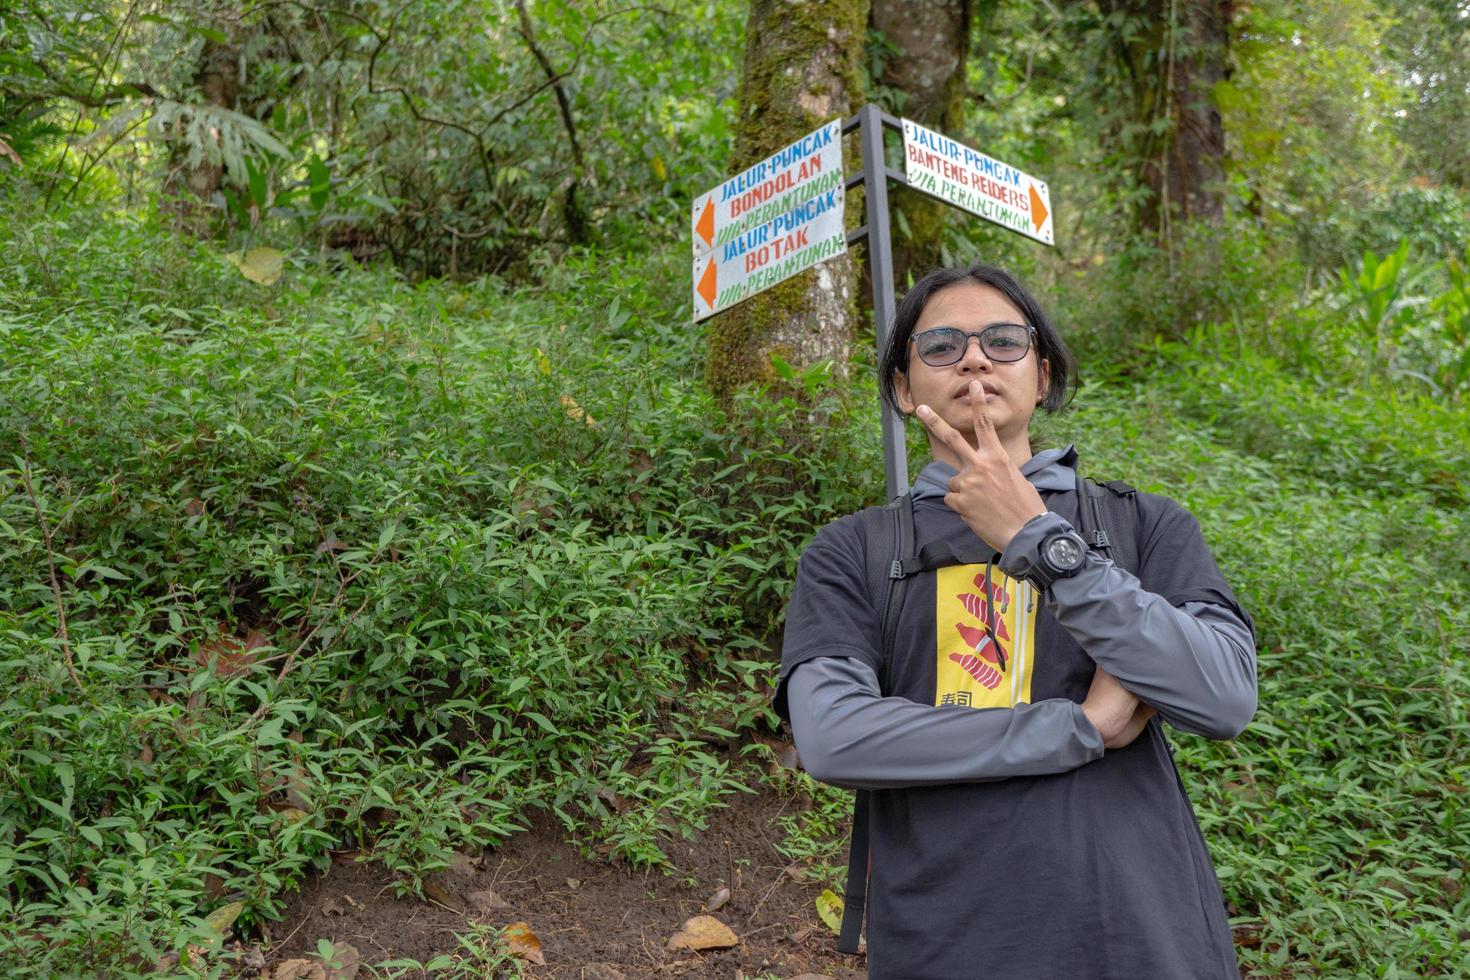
<point>780,217</point>
<point>968,179</point>
<point>786,213</point>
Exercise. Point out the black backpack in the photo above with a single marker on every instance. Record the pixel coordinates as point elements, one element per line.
<point>1107,520</point>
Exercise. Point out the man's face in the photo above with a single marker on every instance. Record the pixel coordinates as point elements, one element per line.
<point>1012,388</point>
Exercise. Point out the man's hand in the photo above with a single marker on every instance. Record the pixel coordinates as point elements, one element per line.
<point>1133,729</point>
<point>1117,715</point>
<point>989,492</point>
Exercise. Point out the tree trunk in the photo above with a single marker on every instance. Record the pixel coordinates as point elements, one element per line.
<point>1173,53</point>
<point>932,38</point>
<point>217,76</point>
<point>801,70</point>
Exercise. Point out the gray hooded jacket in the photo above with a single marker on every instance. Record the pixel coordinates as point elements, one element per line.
<point>1195,664</point>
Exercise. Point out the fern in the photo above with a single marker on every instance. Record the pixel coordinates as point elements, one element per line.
<point>212,134</point>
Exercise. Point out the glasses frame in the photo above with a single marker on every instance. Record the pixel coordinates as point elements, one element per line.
<point>980,336</point>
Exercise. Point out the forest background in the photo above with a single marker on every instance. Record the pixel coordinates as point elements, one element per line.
<point>364,483</point>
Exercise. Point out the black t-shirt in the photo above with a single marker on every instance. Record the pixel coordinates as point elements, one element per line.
<point>1100,871</point>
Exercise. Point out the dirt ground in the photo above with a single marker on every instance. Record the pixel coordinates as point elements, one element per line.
<point>594,920</point>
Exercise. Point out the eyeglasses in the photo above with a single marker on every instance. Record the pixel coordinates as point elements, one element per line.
<point>999,342</point>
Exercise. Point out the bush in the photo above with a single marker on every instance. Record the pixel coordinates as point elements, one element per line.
<point>350,564</point>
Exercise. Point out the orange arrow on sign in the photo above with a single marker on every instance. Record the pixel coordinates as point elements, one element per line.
<point>707,282</point>
<point>1038,208</point>
<point>705,226</point>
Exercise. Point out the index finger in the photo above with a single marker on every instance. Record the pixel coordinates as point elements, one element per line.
<point>946,434</point>
<point>986,438</point>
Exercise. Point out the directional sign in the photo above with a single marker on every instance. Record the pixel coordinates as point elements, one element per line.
<point>966,178</point>
<point>783,215</point>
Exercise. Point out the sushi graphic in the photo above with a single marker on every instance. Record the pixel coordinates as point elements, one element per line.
<point>984,640</point>
<point>987,657</point>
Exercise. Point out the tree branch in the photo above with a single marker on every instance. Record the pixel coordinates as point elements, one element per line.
<point>575,221</point>
<point>110,96</point>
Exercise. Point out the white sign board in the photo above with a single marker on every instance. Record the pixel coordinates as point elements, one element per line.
<point>783,215</point>
<point>968,179</point>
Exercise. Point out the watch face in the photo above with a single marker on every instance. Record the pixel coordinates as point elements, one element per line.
<point>1064,552</point>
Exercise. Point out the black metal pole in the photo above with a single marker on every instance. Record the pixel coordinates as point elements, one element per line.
<point>880,270</point>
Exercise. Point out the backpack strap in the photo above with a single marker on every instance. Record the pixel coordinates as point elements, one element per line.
<point>1107,519</point>
<point>855,897</point>
<point>899,571</point>
<point>891,559</point>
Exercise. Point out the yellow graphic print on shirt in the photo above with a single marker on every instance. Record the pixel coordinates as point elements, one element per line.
<point>975,665</point>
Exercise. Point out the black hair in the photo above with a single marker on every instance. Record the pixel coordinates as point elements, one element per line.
<point>1062,379</point>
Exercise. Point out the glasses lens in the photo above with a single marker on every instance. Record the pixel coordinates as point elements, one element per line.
<point>1005,341</point>
<point>942,346</point>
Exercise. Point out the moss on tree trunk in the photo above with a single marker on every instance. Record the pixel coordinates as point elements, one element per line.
<point>802,69</point>
<point>928,67</point>
<point>1174,54</point>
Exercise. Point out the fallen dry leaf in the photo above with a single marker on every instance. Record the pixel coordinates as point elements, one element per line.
<point>222,918</point>
<point>611,799</point>
<point>260,265</point>
<point>575,412</point>
<point>522,943</point>
<point>487,900</point>
<point>7,151</point>
<point>702,932</point>
<point>231,655</point>
<point>253,960</point>
<point>829,908</point>
<point>436,892</point>
<point>718,900</point>
<point>346,961</point>
<point>296,970</point>
<point>464,863</point>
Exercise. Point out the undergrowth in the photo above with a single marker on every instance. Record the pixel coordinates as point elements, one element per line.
<point>351,564</point>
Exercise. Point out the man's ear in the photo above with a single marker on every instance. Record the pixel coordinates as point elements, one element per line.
<point>901,393</point>
<point>1044,369</point>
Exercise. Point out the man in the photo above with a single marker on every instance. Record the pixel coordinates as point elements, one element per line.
<point>1027,819</point>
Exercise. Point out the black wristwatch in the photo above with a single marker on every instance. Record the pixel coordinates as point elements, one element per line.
<point>1060,556</point>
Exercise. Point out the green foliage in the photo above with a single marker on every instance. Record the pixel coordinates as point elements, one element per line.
<point>1337,820</point>
<point>376,132</point>
<point>348,563</point>
<point>480,956</point>
<point>1429,38</point>
<point>818,832</point>
<point>1125,302</point>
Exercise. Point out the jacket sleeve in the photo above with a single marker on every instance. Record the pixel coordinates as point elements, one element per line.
<point>1195,662</point>
<point>849,735</point>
